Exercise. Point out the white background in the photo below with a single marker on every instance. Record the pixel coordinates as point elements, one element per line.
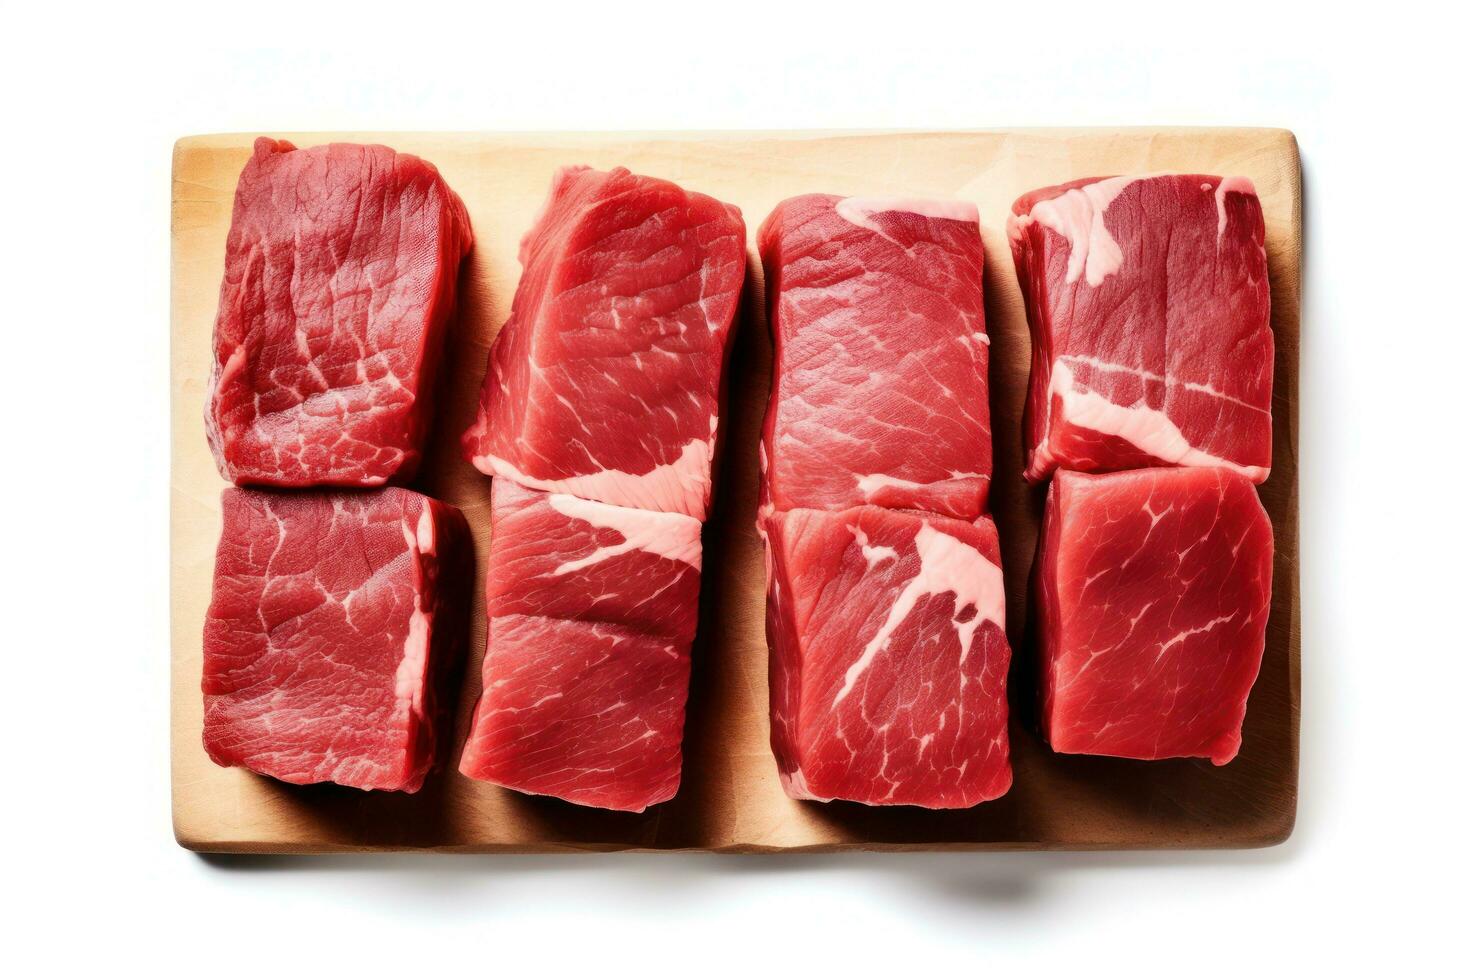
<point>92,101</point>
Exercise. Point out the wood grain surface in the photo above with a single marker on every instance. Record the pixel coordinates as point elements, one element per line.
<point>730,799</point>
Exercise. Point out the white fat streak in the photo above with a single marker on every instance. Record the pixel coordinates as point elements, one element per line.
<point>1228,185</point>
<point>425,533</point>
<point>671,536</point>
<point>1149,429</point>
<point>872,553</point>
<point>1098,364</point>
<point>946,564</point>
<point>1077,216</point>
<point>680,487</point>
<point>233,365</point>
<point>860,210</point>
<point>1016,224</point>
<point>873,482</point>
<point>1183,635</point>
<point>408,679</point>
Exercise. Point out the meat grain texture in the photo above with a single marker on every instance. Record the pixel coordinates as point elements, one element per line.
<point>336,621</point>
<point>605,382</point>
<point>888,657</point>
<point>885,602</point>
<point>1149,309</point>
<point>592,611</point>
<point>880,393</point>
<point>598,420</point>
<point>1152,359</point>
<point>1154,588</point>
<point>340,278</point>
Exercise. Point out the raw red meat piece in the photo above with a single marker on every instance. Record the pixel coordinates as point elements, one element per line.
<point>888,657</point>
<point>335,621</point>
<point>605,381</point>
<point>587,712</point>
<point>1149,310</point>
<point>880,393</point>
<point>1153,587</point>
<point>592,610</point>
<point>339,280</point>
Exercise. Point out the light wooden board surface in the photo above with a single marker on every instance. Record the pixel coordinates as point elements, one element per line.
<point>730,799</point>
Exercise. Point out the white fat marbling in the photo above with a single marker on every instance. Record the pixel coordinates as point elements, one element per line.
<point>408,680</point>
<point>671,536</point>
<point>1099,364</point>
<point>860,210</point>
<point>424,534</point>
<point>1149,429</point>
<point>872,553</point>
<point>1078,216</point>
<point>1185,634</point>
<point>946,564</point>
<point>233,365</point>
<point>680,487</point>
<point>870,484</point>
<point>1229,185</point>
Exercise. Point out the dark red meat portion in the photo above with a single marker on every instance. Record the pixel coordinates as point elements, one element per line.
<point>339,281</point>
<point>335,621</point>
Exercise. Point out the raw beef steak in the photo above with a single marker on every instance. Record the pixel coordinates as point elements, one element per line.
<point>888,657</point>
<point>339,279</point>
<point>1153,588</point>
<point>1150,322</point>
<point>335,622</point>
<point>880,393</point>
<point>592,610</point>
<point>605,381</point>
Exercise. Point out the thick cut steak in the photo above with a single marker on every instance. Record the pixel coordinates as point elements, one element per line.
<point>1153,588</point>
<point>335,622</point>
<point>880,393</point>
<point>592,610</point>
<point>888,657</point>
<point>340,273</point>
<point>605,381</point>
<point>1149,310</point>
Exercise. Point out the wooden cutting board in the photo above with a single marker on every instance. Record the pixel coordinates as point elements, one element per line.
<point>730,799</point>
